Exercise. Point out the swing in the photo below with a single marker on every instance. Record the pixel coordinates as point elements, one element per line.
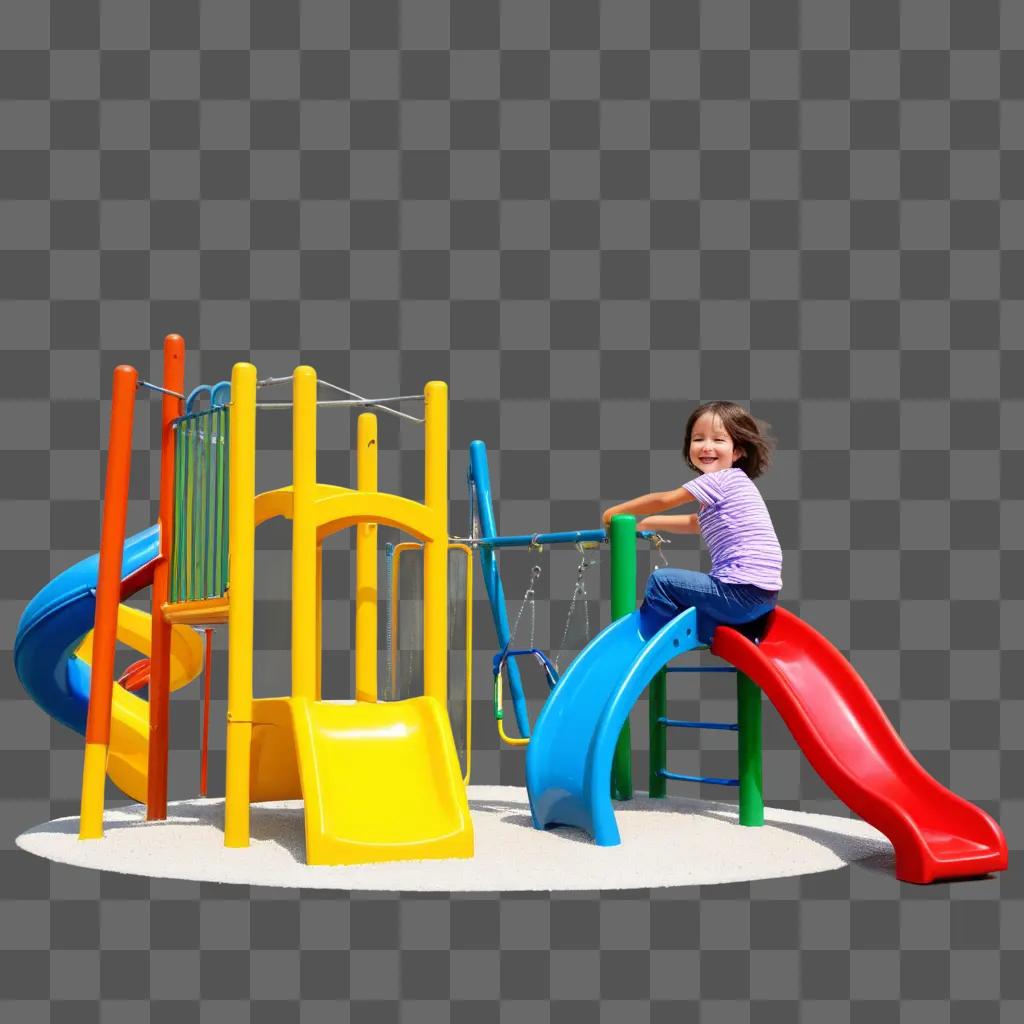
<point>507,652</point>
<point>551,671</point>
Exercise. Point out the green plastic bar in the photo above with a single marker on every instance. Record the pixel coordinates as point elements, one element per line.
<point>219,532</point>
<point>189,509</point>
<point>227,514</point>
<point>179,477</point>
<point>205,451</point>
<point>197,483</point>
<point>657,784</point>
<point>201,451</point>
<point>623,573</point>
<point>205,516</point>
<point>204,504</point>
<point>195,479</point>
<point>211,578</point>
<point>748,708</point>
<point>211,515</point>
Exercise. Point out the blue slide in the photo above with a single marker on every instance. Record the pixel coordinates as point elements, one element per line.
<point>569,759</point>
<point>59,616</point>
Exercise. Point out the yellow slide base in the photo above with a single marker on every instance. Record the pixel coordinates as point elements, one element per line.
<point>380,781</point>
<point>274,770</point>
<point>128,754</point>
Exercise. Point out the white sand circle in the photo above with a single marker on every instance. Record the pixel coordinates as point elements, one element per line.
<point>671,842</point>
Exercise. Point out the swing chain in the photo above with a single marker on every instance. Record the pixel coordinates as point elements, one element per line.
<point>579,591</point>
<point>528,598</point>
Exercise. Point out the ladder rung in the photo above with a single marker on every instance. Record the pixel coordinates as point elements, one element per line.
<point>666,774</point>
<point>701,668</point>
<point>730,726</point>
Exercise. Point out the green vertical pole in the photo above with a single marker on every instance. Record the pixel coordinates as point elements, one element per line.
<point>748,709</point>
<point>190,529</point>
<point>220,528</point>
<point>657,697</point>
<point>623,545</point>
<point>225,481</point>
<point>210,512</point>
<point>179,514</point>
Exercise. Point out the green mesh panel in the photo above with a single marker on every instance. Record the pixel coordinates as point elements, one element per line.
<point>199,551</point>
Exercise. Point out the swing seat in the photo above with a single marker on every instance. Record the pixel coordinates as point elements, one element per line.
<point>550,672</point>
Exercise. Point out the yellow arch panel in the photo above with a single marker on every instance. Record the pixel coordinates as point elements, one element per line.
<point>273,503</point>
<point>336,512</point>
<point>280,502</point>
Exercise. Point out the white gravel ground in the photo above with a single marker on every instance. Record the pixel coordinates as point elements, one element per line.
<point>671,842</point>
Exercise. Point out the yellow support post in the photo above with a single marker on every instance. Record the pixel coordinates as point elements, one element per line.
<point>319,618</point>
<point>304,540</point>
<point>435,550</point>
<point>241,579</point>
<point>366,565</point>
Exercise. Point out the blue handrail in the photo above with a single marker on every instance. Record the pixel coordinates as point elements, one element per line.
<point>729,726</point>
<point>666,774</point>
<point>525,540</point>
<point>478,476</point>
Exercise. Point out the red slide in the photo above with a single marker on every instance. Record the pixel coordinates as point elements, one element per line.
<point>852,745</point>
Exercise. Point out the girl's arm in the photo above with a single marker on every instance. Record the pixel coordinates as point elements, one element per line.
<point>659,501</point>
<point>670,524</point>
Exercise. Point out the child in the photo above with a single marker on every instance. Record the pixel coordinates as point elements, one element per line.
<point>725,445</point>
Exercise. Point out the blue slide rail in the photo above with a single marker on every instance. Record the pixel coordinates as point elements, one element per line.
<point>569,759</point>
<point>53,625</point>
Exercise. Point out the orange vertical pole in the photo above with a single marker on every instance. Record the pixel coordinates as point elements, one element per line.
<point>160,653</point>
<point>108,597</point>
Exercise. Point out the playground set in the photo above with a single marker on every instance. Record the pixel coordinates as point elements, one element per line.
<point>384,776</point>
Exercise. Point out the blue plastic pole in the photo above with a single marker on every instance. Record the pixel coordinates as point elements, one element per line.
<point>524,540</point>
<point>480,476</point>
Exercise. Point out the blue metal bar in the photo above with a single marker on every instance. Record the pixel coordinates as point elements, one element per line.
<point>728,726</point>
<point>525,540</point>
<point>698,778</point>
<point>702,668</point>
<point>479,475</point>
<point>216,401</point>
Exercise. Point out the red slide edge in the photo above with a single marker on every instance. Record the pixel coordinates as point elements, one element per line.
<point>788,635</point>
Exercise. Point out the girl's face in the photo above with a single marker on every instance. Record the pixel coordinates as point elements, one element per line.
<point>711,447</point>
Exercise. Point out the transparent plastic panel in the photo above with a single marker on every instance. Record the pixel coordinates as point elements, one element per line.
<point>457,569</point>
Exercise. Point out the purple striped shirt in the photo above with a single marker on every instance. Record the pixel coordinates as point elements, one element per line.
<point>735,523</point>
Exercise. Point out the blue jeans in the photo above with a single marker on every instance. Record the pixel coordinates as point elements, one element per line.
<point>671,591</point>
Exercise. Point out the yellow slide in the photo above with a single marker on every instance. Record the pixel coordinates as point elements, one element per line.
<point>128,757</point>
<point>380,781</point>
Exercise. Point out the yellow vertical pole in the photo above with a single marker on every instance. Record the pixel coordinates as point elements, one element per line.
<point>435,550</point>
<point>241,579</point>
<point>319,618</point>
<point>304,588</point>
<point>366,565</point>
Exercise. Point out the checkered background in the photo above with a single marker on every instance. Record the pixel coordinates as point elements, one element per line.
<point>587,216</point>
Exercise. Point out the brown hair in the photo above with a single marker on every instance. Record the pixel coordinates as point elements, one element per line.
<point>748,434</point>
